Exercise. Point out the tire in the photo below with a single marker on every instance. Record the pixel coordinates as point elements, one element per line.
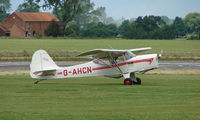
<point>139,82</point>
<point>128,81</point>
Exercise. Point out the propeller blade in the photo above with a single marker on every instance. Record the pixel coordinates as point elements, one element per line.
<point>159,55</point>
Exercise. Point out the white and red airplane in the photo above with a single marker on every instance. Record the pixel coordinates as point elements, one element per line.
<point>107,62</point>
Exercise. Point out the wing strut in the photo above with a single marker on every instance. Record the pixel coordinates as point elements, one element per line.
<point>115,63</point>
<point>104,63</point>
<point>110,65</point>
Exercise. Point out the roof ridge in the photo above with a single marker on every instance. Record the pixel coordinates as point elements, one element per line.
<point>3,27</point>
<point>36,16</point>
<point>32,12</point>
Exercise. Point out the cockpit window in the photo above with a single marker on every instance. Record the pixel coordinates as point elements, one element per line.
<point>128,55</point>
<point>101,62</point>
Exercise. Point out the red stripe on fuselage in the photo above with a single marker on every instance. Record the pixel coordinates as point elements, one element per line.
<point>60,73</point>
<point>121,64</point>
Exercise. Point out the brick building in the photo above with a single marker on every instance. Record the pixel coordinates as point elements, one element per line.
<point>4,31</point>
<point>20,24</point>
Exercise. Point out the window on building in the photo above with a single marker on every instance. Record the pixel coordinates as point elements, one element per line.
<point>7,33</point>
<point>28,26</point>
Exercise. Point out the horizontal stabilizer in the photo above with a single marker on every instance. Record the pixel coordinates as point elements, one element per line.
<point>44,71</point>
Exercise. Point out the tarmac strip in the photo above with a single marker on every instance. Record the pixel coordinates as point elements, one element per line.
<point>157,71</point>
<point>175,71</point>
<point>14,72</point>
<point>164,65</point>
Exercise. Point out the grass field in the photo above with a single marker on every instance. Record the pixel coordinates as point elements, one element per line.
<point>160,97</point>
<point>61,49</point>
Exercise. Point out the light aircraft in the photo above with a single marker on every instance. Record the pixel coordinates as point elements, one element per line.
<point>106,62</point>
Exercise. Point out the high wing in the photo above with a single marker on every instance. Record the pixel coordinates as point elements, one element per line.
<point>106,53</point>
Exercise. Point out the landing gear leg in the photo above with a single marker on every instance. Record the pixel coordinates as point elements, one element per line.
<point>136,80</point>
<point>139,82</point>
<point>131,79</point>
<point>128,80</point>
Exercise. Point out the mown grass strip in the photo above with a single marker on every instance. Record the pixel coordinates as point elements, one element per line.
<point>160,97</point>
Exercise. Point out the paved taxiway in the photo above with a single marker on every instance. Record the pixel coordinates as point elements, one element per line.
<point>163,65</point>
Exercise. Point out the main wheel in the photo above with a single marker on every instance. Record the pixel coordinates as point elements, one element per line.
<point>128,81</point>
<point>138,81</point>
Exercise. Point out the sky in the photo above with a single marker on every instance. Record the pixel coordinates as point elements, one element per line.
<point>133,8</point>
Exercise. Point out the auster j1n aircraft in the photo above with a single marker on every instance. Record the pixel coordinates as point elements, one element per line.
<point>106,62</point>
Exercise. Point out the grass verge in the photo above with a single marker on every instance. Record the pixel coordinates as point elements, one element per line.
<point>160,97</point>
<point>67,49</point>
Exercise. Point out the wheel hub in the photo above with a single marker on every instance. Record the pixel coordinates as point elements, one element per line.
<point>128,82</point>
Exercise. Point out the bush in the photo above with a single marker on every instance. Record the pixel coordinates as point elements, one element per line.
<point>38,35</point>
<point>193,36</point>
<point>53,29</point>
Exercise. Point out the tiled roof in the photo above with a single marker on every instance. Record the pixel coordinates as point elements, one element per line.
<point>36,16</point>
<point>3,28</point>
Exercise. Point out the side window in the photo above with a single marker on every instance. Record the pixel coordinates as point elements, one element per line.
<point>101,62</point>
<point>120,59</point>
<point>128,55</point>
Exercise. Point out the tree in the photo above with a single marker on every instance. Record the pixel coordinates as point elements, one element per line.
<point>149,23</point>
<point>53,29</point>
<point>123,26</point>
<point>28,6</point>
<point>100,30</point>
<point>85,14</point>
<point>192,22</point>
<point>148,27</point>
<point>179,27</point>
<point>131,30</point>
<point>167,20</point>
<point>165,32</point>
<point>72,29</point>
<point>101,16</point>
<point>4,9</point>
<point>65,10</point>
<point>89,14</point>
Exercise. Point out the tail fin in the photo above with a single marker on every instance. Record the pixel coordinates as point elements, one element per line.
<point>42,64</point>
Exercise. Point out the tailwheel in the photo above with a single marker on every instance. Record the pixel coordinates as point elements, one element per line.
<point>36,82</point>
<point>128,81</point>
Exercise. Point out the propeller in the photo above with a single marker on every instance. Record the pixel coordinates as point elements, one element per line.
<point>159,55</point>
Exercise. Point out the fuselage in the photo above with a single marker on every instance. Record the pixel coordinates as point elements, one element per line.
<point>98,68</point>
